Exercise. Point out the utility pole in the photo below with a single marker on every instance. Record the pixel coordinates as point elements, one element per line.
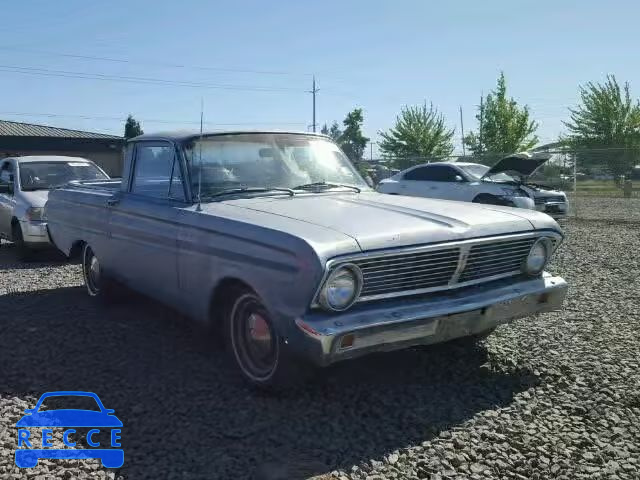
<point>313,92</point>
<point>481,122</point>
<point>464,151</point>
<point>575,175</point>
<point>371,151</point>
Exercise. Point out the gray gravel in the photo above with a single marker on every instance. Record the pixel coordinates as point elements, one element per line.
<point>604,208</point>
<point>554,397</point>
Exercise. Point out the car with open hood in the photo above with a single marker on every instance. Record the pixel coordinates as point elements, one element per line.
<point>505,183</point>
<point>274,241</point>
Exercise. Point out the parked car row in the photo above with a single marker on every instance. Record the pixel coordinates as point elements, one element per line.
<point>506,183</point>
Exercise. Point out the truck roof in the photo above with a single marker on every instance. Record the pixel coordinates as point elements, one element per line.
<point>47,158</point>
<point>184,135</point>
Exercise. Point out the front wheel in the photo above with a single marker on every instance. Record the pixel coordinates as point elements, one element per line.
<point>22,249</point>
<point>255,345</point>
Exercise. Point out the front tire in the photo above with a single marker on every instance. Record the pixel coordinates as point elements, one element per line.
<point>22,249</point>
<point>257,349</point>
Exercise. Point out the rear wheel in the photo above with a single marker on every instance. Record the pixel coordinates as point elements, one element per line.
<point>91,272</point>
<point>98,284</point>
<point>256,347</point>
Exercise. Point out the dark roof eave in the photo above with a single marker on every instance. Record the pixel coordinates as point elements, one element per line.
<point>10,128</point>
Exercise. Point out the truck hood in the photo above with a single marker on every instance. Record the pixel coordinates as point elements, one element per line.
<point>521,164</point>
<point>35,198</point>
<point>377,221</point>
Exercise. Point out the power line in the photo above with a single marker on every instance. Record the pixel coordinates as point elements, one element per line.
<point>154,63</point>
<point>139,80</point>
<point>146,120</point>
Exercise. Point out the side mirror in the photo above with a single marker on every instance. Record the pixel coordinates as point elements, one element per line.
<point>459,179</point>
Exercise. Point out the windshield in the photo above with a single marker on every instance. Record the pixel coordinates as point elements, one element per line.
<point>47,175</point>
<point>478,171</point>
<point>267,161</point>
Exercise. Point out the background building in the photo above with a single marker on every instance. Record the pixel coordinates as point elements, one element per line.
<point>18,139</point>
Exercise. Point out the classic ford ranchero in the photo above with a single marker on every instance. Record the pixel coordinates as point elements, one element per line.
<point>276,242</point>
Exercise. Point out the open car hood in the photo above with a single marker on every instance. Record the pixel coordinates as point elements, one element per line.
<point>520,164</point>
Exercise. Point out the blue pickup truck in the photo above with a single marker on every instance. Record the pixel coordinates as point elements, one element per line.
<point>277,243</point>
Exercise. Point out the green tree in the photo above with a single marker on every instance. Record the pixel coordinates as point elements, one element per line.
<point>132,128</point>
<point>418,132</point>
<point>504,127</point>
<point>605,127</point>
<point>352,141</point>
<point>334,131</point>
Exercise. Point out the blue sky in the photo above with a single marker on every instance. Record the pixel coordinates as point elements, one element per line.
<point>374,55</point>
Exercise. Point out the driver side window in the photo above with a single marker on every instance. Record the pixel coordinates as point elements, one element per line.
<point>6,177</point>
<point>418,174</point>
<point>157,172</point>
<point>432,173</point>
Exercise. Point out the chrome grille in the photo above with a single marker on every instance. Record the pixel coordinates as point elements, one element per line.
<point>495,259</point>
<point>543,200</point>
<point>433,268</point>
<point>408,272</point>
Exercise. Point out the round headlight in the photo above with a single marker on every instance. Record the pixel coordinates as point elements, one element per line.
<point>342,287</point>
<point>538,256</point>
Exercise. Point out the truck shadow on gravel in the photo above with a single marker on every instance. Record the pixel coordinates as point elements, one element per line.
<point>9,259</point>
<point>187,414</point>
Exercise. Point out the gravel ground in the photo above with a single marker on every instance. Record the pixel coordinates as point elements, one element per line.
<point>558,397</point>
<point>599,208</point>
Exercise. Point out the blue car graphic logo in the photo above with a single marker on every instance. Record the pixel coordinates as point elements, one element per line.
<point>28,453</point>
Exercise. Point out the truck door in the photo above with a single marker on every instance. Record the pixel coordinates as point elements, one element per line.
<point>143,226</point>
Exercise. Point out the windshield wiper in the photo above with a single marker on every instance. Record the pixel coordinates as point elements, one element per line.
<point>311,186</point>
<point>232,191</point>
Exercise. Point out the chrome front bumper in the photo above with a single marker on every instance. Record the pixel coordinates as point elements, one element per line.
<point>554,209</point>
<point>395,324</point>
<point>34,233</point>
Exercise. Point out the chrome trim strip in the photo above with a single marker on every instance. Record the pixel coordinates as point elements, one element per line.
<point>465,247</point>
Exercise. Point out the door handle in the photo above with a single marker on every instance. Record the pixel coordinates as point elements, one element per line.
<point>113,201</point>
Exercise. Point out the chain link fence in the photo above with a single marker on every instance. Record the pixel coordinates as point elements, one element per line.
<point>600,184</point>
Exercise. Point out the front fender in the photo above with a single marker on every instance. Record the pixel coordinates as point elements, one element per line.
<point>283,269</point>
